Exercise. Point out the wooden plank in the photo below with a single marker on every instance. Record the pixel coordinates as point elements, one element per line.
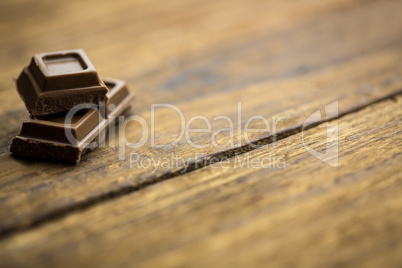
<point>171,61</point>
<point>288,63</point>
<point>161,40</point>
<point>306,214</point>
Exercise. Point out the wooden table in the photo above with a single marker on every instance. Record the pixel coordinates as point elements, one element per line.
<point>322,192</point>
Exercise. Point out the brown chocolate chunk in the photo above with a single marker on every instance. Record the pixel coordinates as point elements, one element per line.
<point>53,139</point>
<point>116,98</point>
<point>57,81</point>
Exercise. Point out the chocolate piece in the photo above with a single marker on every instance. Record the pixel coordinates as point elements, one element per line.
<point>57,81</point>
<point>115,97</point>
<point>54,129</point>
<point>55,140</point>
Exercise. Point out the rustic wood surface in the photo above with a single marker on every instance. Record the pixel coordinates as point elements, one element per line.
<point>277,58</point>
<point>307,214</point>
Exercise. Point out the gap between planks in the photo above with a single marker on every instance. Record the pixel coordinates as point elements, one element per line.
<point>188,167</point>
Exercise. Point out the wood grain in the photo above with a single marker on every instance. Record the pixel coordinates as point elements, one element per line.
<point>307,214</point>
<point>273,57</point>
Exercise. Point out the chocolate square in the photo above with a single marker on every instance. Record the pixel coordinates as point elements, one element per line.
<point>57,81</point>
<point>53,129</point>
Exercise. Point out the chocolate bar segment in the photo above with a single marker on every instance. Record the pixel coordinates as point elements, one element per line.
<point>57,81</point>
<point>116,98</point>
<point>54,144</point>
<point>55,140</point>
<point>54,129</point>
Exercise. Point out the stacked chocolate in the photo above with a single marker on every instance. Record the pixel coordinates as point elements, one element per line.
<point>69,106</point>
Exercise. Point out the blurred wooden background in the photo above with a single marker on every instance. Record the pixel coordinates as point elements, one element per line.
<point>278,58</point>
